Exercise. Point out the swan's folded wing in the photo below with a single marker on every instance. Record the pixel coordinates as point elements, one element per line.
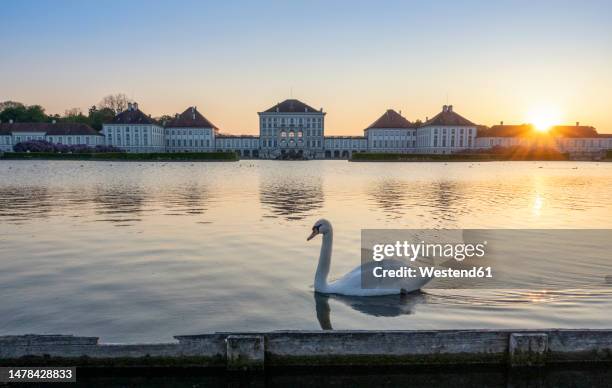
<point>351,282</point>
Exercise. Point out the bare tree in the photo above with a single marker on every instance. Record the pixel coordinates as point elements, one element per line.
<point>73,112</point>
<point>117,102</point>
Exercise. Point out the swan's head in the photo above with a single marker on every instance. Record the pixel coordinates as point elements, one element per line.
<point>320,227</point>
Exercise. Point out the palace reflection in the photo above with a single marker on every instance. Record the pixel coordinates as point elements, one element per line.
<point>120,204</point>
<point>184,200</point>
<point>24,202</point>
<point>389,195</point>
<point>292,199</point>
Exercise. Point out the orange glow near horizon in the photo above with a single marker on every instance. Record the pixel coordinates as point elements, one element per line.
<point>544,117</point>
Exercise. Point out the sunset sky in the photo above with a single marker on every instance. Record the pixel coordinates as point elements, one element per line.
<point>493,60</point>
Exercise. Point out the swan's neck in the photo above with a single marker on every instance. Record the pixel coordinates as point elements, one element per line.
<point>320,283</point>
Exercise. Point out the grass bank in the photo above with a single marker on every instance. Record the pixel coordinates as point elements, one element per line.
<point>389,157</point>
<point>160,156</point>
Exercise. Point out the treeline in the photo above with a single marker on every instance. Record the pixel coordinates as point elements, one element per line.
<point>97,115</point>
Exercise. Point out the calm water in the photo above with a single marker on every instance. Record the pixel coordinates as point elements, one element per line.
<point>141,252</point>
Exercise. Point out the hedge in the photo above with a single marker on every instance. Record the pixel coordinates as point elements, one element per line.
<point>229,156</point>
<point>458,157</point>
<point>381,157</point>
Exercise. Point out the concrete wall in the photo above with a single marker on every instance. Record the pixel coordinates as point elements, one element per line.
<point>320,348</point>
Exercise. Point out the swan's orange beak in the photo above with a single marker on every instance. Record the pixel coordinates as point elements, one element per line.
<point>314,233</point>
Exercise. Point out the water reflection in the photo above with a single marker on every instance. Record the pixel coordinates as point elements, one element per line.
<point>389,196</point>
<point>189,199</point>
<point>291,198</point>
<point>25,202</point>
<point>378,306</point>
<point>120,204</point>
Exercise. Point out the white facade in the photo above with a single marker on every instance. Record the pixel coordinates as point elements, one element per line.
<point>445,139</point>
<point>57,133</point>
<point>135,137</point>
<point>190,139</point>
<point>561,144</point>
<point>446,133</point>
<point>292,127</point>
<point>392,140</point>
<point>344,146</point>
<point>247,146</point>
<point>133,131</point>
<point>190,132</point>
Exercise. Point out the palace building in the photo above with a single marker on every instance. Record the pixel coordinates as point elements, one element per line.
<point>391,132</point>
<point>134,131</point>
<point>12,133</point>
<point>446,133</point>
<point>190,132</point>
<point>293,129</point>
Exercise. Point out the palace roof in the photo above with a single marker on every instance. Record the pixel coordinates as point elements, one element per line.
<point>132,115</point>
<point>448,117</point>
<point>51,129</point>
<point>292,106</point>
<point>524,130</point>
<point>190,118</point>
<point>391,119</point>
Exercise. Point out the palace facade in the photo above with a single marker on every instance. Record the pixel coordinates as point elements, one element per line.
<point>294,129</point>
<point>12,133</point>
<point>290,128</point>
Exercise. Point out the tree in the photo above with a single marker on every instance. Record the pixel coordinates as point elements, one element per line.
<point>24,114</point>
<point>73,112</point>
<point>164,119</point>
<point>75,115</point>
<point>9,104</point>
<point>97,117</point>
<point>117,102</point>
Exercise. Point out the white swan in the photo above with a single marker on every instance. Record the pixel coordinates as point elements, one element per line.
<point>350,284</point>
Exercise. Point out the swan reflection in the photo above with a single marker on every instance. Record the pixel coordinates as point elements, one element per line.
<point>378,306</point>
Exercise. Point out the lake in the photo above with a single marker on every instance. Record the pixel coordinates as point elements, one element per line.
<point>139,252</point>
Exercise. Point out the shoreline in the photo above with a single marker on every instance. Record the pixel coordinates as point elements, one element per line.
<point>239,351</point>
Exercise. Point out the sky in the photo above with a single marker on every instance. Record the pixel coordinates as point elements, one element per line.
<point>515,61</point>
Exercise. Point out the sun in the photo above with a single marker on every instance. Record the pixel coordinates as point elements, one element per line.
<point>543,118</point>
